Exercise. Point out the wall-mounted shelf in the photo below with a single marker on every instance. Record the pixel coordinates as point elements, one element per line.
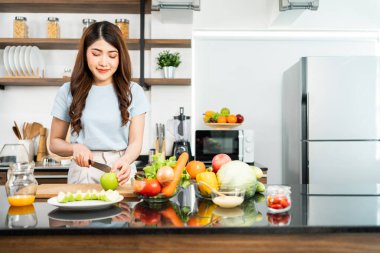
<point>60,81</point>
<point>74,6</point>
<point>72,44</point>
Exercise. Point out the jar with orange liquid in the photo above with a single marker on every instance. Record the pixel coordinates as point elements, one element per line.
<point>21,185</point>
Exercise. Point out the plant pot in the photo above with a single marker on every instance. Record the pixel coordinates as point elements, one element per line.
<point>169,72</point>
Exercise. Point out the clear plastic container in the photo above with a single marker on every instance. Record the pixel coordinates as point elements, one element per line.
<point>53,29</point>
<point>20,27</point>
<point>87,22</point>
<point>278,198</point>
<point>21,186</point>
<point>123,24</point>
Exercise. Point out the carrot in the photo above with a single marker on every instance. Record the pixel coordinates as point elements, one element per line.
<point>170,188</point>
<point>171,215</point>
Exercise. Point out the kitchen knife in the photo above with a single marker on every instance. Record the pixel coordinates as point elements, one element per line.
<point>100,166</point>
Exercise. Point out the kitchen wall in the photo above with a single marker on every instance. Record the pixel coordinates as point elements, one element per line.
<point>241,49</point>
<point>241,67</point>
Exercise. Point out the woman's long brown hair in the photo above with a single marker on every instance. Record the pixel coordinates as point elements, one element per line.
<point>82,78</point>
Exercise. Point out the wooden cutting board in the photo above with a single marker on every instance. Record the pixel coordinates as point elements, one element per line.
<point>45,191</point>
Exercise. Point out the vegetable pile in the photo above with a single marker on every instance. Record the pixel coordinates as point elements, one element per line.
<point>163,177</point>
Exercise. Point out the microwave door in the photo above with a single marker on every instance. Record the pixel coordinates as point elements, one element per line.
<point>212,142</point>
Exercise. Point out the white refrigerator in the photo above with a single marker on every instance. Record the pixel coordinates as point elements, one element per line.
<point>331,123</point>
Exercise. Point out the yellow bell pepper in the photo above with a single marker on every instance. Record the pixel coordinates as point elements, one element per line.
<point>209,178</point>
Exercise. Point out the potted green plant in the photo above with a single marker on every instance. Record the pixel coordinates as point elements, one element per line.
<point>168,62</point>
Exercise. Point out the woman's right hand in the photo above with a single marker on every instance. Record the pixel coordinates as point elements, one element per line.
<point>82,155</point>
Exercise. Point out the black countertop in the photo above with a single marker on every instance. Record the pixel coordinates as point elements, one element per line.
<point>308,214</point>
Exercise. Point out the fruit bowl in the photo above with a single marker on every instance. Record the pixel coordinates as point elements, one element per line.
<point>223,126</point>
<point>159,198</point>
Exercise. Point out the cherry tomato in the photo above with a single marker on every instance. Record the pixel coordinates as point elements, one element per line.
<point>284,203</point>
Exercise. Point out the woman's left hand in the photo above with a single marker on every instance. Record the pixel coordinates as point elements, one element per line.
<point>123,170</point>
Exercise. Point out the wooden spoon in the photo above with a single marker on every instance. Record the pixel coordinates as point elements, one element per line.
<point>35,130</point>
<point>18,134</point>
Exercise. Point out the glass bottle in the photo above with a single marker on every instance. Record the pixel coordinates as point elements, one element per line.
<point>53,29</point>
<point>20,28</point>
<point>123,24</point>
<point>21,186</point>
<point>87,22</point>
<point>278,198</point>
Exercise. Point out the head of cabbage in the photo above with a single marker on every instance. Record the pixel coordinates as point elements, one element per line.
<point>238,174</point>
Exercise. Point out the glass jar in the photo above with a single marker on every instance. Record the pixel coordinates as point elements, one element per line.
<point>21,186</point>
<point>20,28</point>
<point>21,217</point>
<point>278,198</point>
<point>87,22</point>
<point>53,29</point>
<point>123,24</point>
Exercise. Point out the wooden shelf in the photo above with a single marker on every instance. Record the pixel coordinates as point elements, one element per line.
<point>165,81</point>
<point>60,81</point>
<point>74,6</point>
<point>61,44</point>
<point>72,44</point>
<point>173,43</point>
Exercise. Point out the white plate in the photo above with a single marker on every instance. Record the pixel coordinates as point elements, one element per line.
<point>58,214</point>
<point>84,204</point>
<point>11,61</point>
<point>5,60</point>
<point>36,61</point>
<point>27,60</point>
<point>21,59</point>
<point>16,60</point>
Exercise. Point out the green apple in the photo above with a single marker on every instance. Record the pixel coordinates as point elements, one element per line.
<point>109,181</point>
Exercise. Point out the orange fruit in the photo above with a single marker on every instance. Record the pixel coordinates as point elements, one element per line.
<point>195,167</point>
<point>232,118</point>
<point>222,119</point>
<point>21,200</point>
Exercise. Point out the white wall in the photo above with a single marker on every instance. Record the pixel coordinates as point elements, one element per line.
<point>240,56</point>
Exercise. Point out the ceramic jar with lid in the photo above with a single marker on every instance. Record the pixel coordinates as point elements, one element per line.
<point>21,186</point>
<point>20,27</point>
<point>123,24</point>
<point>53,29</point>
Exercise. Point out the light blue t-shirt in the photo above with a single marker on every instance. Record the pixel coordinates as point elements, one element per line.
<point>101,117</point>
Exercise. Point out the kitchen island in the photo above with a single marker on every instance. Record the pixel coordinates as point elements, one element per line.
<point>315,223</point>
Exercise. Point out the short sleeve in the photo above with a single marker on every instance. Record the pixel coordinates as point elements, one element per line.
<point>62,103</point>
<point>140,103</point>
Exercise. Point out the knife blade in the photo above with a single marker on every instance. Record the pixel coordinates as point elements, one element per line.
<point>100,166</point>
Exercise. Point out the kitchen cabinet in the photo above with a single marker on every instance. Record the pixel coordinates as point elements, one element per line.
<point>88,6</point>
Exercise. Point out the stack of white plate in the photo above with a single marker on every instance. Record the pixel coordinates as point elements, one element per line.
<point>23,61</point>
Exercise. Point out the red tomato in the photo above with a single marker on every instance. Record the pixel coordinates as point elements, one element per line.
<point>139,185</point>
<point>148,187</point>
<point>276,206</point>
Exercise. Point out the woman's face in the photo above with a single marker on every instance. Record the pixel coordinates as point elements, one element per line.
<point>102,60</point>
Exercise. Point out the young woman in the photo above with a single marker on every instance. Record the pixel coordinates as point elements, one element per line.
<point>105,109</point>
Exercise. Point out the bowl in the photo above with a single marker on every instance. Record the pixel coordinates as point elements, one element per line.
<point>222,126</point>
<point>159,198</point>
<point>228,197</point>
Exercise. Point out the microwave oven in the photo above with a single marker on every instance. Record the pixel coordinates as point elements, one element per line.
<point>238,144</point>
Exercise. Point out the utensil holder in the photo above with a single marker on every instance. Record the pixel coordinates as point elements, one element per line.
<point>29,145</point>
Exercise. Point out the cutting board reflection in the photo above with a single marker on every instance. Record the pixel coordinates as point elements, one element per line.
<point>51,190</point>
